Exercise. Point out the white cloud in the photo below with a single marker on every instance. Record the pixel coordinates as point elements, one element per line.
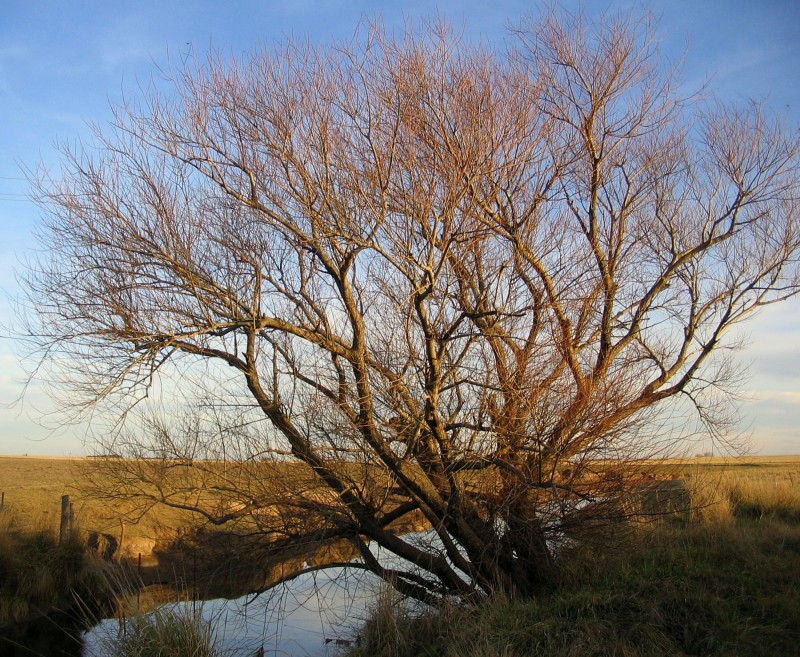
<point>776,397</point>
<point>126,43</point>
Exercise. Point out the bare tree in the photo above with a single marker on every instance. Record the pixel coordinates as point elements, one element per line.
<point>430,278</point>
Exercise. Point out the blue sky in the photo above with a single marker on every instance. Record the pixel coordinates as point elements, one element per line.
<point>62,63</point>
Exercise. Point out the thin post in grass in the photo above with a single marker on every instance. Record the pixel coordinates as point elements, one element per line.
<point>121,540</point>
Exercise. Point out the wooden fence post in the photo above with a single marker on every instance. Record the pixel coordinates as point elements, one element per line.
<point>118,555</point>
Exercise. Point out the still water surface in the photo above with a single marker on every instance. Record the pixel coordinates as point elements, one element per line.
<point>309,616</point>
<point>303,618</point>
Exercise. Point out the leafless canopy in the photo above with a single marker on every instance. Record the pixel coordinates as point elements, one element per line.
<point>434,279</point>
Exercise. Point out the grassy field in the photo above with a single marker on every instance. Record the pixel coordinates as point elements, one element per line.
<point>722,489</point>
<point>708,589</point>
<point>33,486</point>
<point>719,487</point>
<point>724,582</point>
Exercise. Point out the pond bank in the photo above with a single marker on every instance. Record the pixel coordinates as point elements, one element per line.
<point>713,589</point>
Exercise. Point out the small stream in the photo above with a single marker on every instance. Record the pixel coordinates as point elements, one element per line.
<point>309,617</point>
<point>313,615</point>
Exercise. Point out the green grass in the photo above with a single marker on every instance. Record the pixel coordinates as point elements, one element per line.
<point>724,583</point>
<point>709,589</point>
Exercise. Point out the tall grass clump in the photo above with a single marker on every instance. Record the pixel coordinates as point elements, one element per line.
<point>39,574</point>
<point>169,631</point>
<point>390,624</point>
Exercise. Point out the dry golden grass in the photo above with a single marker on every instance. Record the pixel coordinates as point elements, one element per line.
<point>724,488</point>
<point>33,487</point>
<point>721,488</point>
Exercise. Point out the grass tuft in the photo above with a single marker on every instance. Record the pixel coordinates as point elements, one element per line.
<point>168,631</point>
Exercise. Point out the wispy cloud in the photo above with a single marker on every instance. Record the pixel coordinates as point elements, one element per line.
<point>11,52</point>
<point>126,42</point>
<point>777,398</point>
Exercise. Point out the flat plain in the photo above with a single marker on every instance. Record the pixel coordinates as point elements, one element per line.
<point>32,488</point>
